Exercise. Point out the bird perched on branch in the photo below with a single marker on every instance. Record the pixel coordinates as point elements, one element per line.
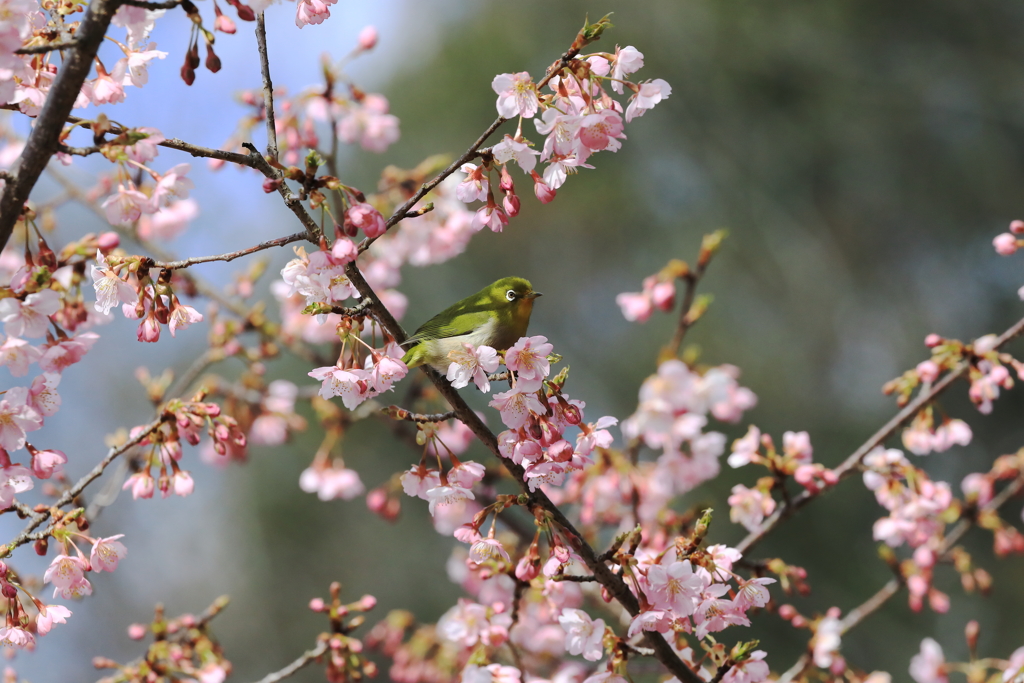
<point>496,316</point>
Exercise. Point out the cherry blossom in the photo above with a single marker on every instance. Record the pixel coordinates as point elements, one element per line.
<point>50,615</point>
<point>111,290</point>
<point>517,151</point>
<point>126,205</point>
<point>516,405</point>
<point>929,665</point>
<point>627,60</point>
<point>472,364</point>
<point>16,419</point>
<point>17,354</point>
<point>528,357</point>
<point>751,670</point>
<point>676,587</point>
<point>369,123</point>
<point>182,316</point>
<point>329,483</point>
<point>106,553</point>
<point>583,635</point>
<point>517,95</point>
<point>31,317</point>
<point>650,94</point>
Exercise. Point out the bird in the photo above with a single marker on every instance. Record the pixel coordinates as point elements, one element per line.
<point>496,316</point>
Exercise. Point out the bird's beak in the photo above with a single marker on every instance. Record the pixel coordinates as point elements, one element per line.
<point>534,295</point>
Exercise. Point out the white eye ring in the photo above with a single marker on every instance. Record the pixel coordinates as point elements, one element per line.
<point>510,295</point>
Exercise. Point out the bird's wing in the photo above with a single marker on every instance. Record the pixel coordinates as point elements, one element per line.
<point>454,321</point>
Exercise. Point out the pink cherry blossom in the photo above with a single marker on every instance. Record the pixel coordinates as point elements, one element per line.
<point>675,587</point>
<point>146,149</point>
<point>651,620</point>
<point>182,316</point>
<point>137,65</point>
<point>111,290</point>
<point>387,369</point>
<point>50,615</point>
<point>17,354</point>
<point>141,484</point>
<point>31,317</point>
<point>182,484</point>
<point>488,550</point>
<point>635,306</point>
<point>446,495</point>
<point>16,419</point>
<point>366,218</point>
<point>16,637</point>
<point>417,481</point>
<point>57,357</point>
<point>172,185</point>
<point>490,217</point>
<point>528,357</point>
<point>753,593</point>
<point>1014,672</point>
<point>517,95</point>
<point>106,553</point>
<point>474,187</point>
<point>519,152</point>
<point>14,479</point>
<point>797,445</point>
<point>715,613</point>
<point>47,463</point>
<point>627,60</point>
<point>330,483</point>
<point>169,221</point>
<point>929,665</point>
<point>108,88</point>
<point>466,474</point>
<point>472,364</point>
<point>751,670</point>
<point>65,571</point>
<point>126,205</point>
<point>369,123</point>
<point>602,131</point>
<point>744,450</point>
<point>1005,244</point>
<point>650,94</point>
<point>312,11</point>
<point>583,635</point>
<point>352,385</point>
<point>516,406</point>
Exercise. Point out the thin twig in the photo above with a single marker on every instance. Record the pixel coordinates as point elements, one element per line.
<point>168,4</point>
<point>849,466</point>
<point>268,86</point>
<point>401,414</point>
<point>307,657</point>
<point>26,534</point>
<point>685,322</point>
<point>405,210</point>
<point>230,256</point>
<point>858,614</point>
<point>47,47</point>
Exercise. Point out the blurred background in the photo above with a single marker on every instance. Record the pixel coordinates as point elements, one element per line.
<point>862,156</point>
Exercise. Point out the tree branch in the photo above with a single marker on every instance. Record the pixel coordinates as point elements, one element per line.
<point>307,657</point>
<point>42,142</point>
<point>849,466</point>
<point>47,47</point>
<point>230,256</point>
<point>268,86</point>
<point>26,534</point>
<point>616,587</point>
<point>405,209</point>
<point>858,614</point>
<point>168,4</point>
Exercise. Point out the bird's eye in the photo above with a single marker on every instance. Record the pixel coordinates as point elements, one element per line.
<point>510,295</point>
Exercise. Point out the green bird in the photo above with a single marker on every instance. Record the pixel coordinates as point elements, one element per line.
<point>496,316</point>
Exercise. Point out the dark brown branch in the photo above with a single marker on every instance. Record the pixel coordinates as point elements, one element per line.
<point>685,322</point>
<point>42,142</point>
<point>314,234</point>
<point>307,657</point>
<point>47,47</point>
<point>614,584</point>
<point>849,466</point>
<point>268,86</point>
<point>169,4</point>
<point>858,614</point>
<point>231,256</point>
<point>398,413</point>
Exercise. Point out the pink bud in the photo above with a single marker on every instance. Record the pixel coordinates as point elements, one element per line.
<point>376,500</point>
<point>928,371</point>
<point>224,24</point>
<point>183,484</point>
<point>924,557</point>
<point>1005,244</point>
<point>344,250</point>
<point>367,219</point>
<point>317,604</point>
<point>107,241</point>
<point>527,570</point>
<point>787,612</point>
<point>663,294</point>
<point>541,189</point>
<point>506,184</point>
<point>367,38</point>
<point>938,601</point>
<point>136,631</point>
<point>367,603</point>
<point>799,622</point>
<point>511,204</point>
<point>1017,227</point>
<point>932,340</point>
<point>271,184</point>
<point>149,330</point>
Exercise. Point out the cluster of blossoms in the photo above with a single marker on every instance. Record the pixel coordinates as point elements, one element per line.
<point>578,119</point>
<point>190,418</point>
<point>128,282</point>
<point>659,291</point>
<point>930,665</point>
<point>749,507</point>
<point>25,79</point>
<point>671,416</point>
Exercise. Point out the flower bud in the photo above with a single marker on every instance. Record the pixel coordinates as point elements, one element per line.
<point>511,205</point>
<point>212,60</point>
<point>317,605</point>
<point>108,241</point>
<point>1005,244</point>
<point>367,38</point>
<point>136,631</point>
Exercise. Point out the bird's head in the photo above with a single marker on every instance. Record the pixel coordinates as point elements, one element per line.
<point>513,294</point>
